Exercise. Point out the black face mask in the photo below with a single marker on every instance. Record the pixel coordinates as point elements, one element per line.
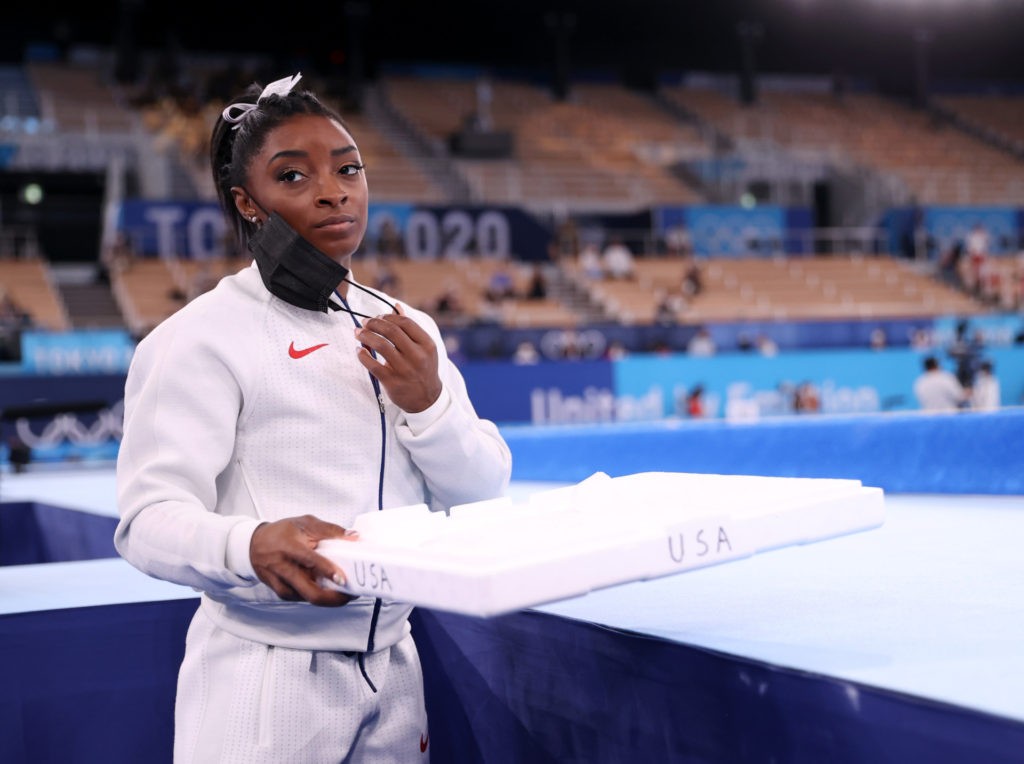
<point>293,269</point>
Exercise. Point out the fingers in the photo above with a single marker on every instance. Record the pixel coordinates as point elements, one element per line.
<point>394,331</point>
<point>406,361</point>
<point>283,557</point>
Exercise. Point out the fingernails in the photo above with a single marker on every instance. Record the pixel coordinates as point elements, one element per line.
<point>351,534</point>
<point>338,578</point>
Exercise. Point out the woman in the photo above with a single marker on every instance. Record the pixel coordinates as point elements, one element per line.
<point>265,416</point>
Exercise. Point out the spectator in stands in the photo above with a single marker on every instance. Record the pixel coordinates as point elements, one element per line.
<point>19,453</point>
<point>115,258</point>
<point>766,346</point>
<point>258,421</point>
<point>951,268</point>
<point>937,389</point>
<point>985,393</point>
<point>566,241</point>
<point>693,280</point>
<point>537,287</point>
<point>695,402</point>
<point>977,246</point>
<point>526,354</point>
<point>617,259</point>
<point>806,399</point>
<point>484,98</point>
<point>615,351</point>
<point>965,350</point>
<point>501,286</point>
<point>453,346</point>
<point>678,242</point>
<point>590,263</point>
<point>390,242</point>
<point>449,306</point>
<point>701,343</point>
<point>668,307</point>
<point>921,339</point>
<point>878,340</point>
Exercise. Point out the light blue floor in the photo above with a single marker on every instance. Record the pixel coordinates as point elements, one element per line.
<point>930,604</point>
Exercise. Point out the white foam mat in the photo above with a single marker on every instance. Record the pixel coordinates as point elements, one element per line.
<point>493,557</point>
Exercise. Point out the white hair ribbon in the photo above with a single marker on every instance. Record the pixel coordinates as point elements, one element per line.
<point>236,112</point>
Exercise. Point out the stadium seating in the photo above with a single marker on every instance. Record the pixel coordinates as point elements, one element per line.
<point>936,162</point>
<point>29,284</point>
<point>151,289</point>
<point>603,148</point>
<point>835,287</point>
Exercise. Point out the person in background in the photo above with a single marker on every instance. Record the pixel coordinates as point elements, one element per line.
<point>668,306</point>
<point>537,287</point>
<point>390,242</point>
<point>977,246</point>
<point>590,264</point>
<point>985,392</point>
<point>678,242</point>
<point>921,339</point>
<point>806,399</point>
<point>617,259</point>
<point>453,347</point>
<point>702,343</point>
<point>616,351</point>
<point>526,354</point>
<point>965,350</point>
<point>937,389</point>
<point>449,307</point>
<point>501,286</point>
<point>265,416</point>
<point>766,346</point>
<point>693,280</point>
<point>695,402</point>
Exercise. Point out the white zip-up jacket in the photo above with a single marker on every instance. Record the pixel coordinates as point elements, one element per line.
<point>240,409</point>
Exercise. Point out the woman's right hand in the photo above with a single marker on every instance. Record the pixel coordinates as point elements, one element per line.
<point>283,554</point>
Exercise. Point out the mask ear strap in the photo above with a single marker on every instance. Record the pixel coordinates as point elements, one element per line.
<point>370,292</point>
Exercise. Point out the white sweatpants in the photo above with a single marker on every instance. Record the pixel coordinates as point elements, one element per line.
<point>248,703</point>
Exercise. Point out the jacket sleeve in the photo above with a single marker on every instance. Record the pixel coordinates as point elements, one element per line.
<point>182,403</point>
<point>463,457</point>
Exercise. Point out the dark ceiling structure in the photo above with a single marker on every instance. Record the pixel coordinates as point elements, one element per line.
<point>879,41</point>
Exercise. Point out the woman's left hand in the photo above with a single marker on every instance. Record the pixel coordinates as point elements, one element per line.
<point>406,362</point>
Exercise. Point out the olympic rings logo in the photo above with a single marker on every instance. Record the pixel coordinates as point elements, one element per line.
<point>67,427</point>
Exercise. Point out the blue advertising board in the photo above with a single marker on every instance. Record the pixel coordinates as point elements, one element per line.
<point>197,229</point>
<point>736,386</point>
<point>544,393</point>
<point>727,230</point>
<point>742,386</point>
<point>84,351</point>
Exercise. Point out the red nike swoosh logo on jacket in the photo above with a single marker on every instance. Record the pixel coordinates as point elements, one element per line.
<point>296,353</point>
<point>424,742</point>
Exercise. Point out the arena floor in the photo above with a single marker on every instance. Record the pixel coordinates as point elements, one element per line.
<point>930,604</point>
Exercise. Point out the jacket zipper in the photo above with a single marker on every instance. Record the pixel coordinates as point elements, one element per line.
<point>380,484</point>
